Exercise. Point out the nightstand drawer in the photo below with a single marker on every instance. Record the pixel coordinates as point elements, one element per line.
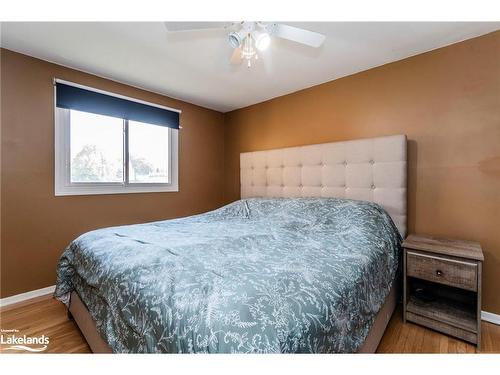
<point>457,273</point>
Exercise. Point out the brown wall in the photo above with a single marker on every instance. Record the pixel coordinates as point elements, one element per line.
<point>446,101</point>
<point>36,225</point>
<point>448,104</point>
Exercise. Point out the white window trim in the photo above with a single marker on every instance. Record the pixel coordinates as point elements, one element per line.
<point>63,185</point>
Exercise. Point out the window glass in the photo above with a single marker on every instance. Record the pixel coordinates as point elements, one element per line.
<point>96,148</point>
<point>148,153</point>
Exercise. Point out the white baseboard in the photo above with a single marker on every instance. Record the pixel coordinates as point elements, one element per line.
<point>486,316</point>
<point>27,296</point>
<point>490,317</point>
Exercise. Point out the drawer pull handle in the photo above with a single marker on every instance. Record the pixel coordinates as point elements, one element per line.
<point>439,273</point>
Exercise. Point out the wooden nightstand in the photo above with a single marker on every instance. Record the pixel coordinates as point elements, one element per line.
<point>442,285</point>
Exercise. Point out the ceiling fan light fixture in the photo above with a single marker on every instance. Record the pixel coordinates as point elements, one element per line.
<point>250,38</point>
<point>236,38</point>
<point>262,41</point>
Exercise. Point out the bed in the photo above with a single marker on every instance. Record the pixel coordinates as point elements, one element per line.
<point>306,262</point>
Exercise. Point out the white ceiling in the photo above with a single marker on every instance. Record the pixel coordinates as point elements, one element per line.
<point>194,66</point>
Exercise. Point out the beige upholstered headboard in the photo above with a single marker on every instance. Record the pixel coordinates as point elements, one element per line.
<point>371,169</point>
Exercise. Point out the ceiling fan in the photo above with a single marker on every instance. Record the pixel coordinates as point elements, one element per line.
<point>247,38</point>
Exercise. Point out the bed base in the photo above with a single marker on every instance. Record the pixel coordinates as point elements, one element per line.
<point>381,320</point>
<point>84,321</point>
<point>87,326</point>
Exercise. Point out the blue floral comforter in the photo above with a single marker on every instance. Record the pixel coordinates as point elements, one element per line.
<point>255,276</point>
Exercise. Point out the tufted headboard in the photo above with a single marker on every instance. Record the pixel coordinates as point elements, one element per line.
<point>371,169</point>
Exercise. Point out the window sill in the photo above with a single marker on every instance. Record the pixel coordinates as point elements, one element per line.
<point>114,189</point>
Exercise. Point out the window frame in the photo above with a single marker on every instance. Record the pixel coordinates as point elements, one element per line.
<point>62,159</point>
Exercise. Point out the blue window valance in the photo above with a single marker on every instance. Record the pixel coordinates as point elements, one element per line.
<point>80,99</point>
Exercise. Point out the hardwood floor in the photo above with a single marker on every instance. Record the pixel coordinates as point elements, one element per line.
<point>45,317</point>
<point>48,317</point>
<point>412,338</point>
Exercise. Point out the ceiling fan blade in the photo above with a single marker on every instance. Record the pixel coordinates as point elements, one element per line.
<point>193,26</point>
<point>295,34</point>
<point>235,57</point>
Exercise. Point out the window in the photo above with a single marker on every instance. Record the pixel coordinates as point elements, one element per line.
<point>96,148</point>
<point>148,153</point>
<point>96,153</point>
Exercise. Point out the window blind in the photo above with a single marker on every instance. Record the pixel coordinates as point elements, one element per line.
<point>80,99</point>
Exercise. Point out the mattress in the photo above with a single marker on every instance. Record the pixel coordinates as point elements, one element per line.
<point>256,276</point>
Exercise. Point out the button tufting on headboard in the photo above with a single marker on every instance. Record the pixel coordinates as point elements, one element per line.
<point>371,169</point>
